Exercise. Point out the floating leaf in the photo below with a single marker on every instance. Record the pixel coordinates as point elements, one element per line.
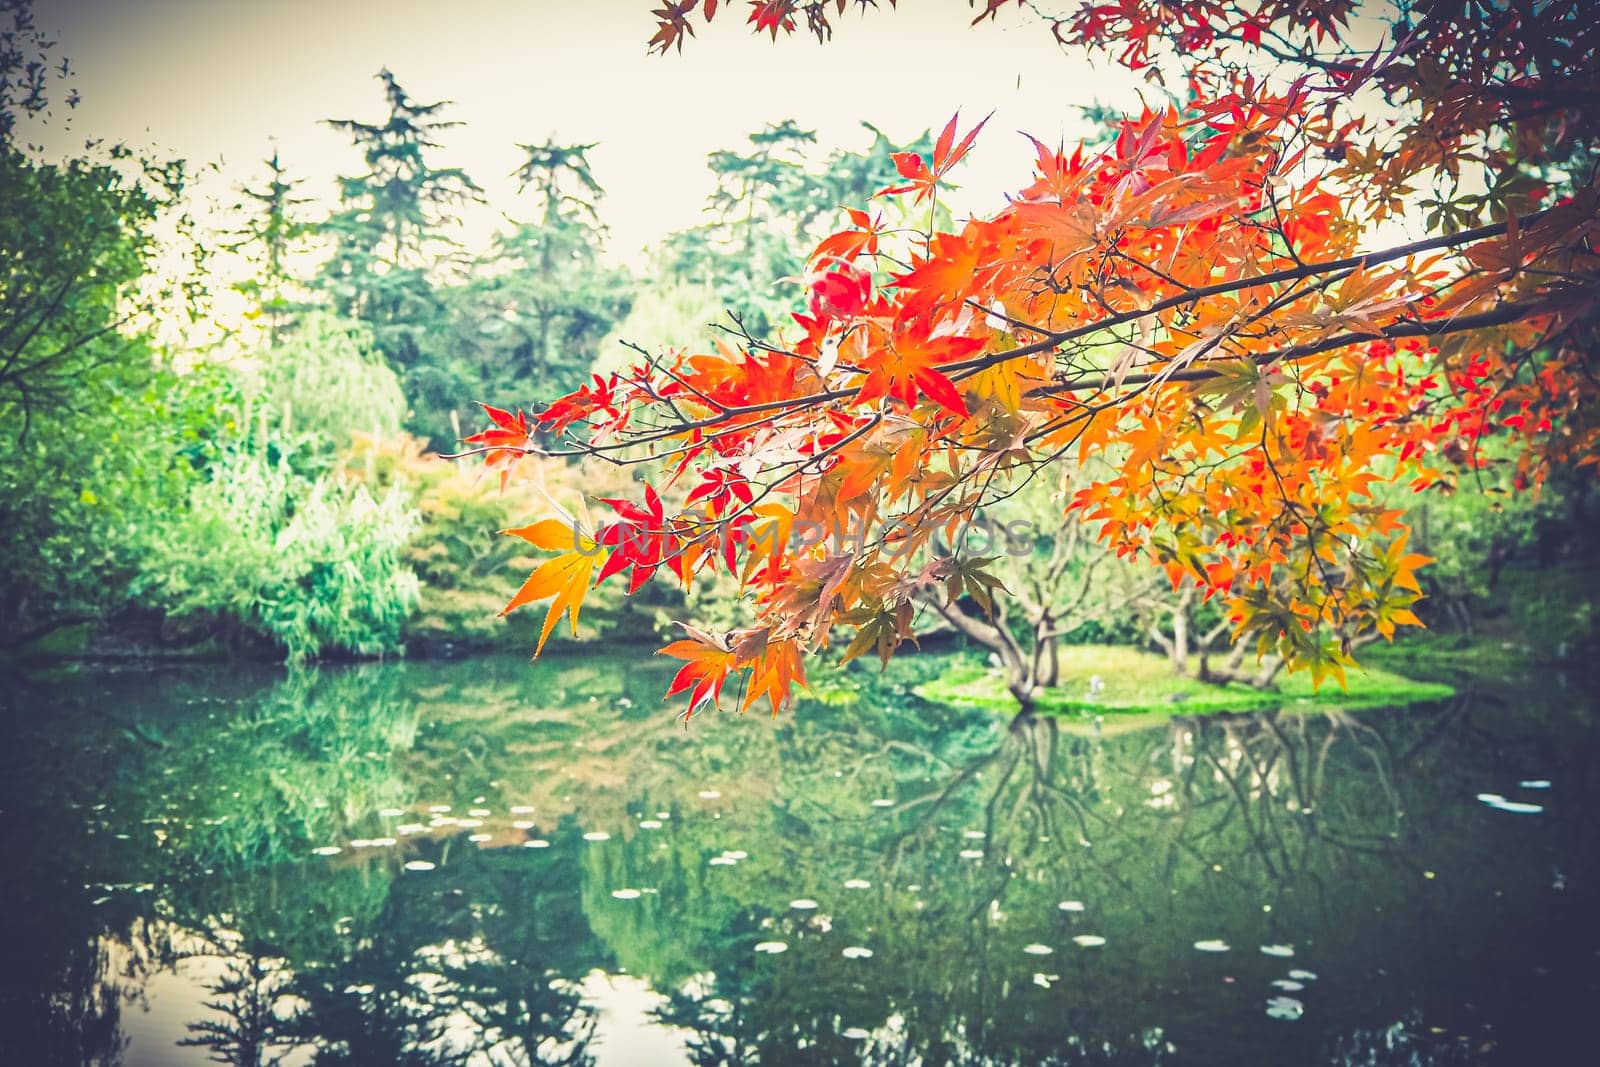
<point>1285,1008</point>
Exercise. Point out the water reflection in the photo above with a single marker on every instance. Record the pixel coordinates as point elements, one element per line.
<point>1047,893</point>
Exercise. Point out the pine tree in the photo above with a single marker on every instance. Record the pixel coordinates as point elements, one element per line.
<point>269,237</point>
<point>389,234</point>
<point>541,297</point>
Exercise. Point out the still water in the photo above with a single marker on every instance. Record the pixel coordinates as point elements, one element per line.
<point>491,862</point>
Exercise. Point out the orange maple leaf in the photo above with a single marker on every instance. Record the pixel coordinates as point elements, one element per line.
<point>565,577</point>
<point>705,672</point>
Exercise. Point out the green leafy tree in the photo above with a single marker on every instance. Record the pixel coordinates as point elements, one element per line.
<point>660,318</point>
<point>771,202</point>
<point>276,543</point>
<point>101,437</point>
<point>321,385</point>
<point>312,565</point>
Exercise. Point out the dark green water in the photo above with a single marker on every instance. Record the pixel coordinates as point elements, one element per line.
<point>162,902</point>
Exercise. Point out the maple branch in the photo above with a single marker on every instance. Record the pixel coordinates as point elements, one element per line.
<point>1189,296</point>
<point>1501,316</point>
<point>775,408</point>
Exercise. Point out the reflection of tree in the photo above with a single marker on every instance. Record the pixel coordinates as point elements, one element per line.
<point>296,767</point>
<point>1277,790</point>
<point>250,1002</point>
<point>969,834</point>
<point>71,1014</point>
<point>1165,833</point>
<point>473,963</point>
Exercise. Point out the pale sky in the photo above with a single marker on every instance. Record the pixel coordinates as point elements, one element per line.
<point>217,81</point>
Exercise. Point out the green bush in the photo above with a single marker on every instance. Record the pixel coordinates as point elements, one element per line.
<point>469,571</point>
<point>313,564</point>
<point>86,492</point>
<point>317,388</point>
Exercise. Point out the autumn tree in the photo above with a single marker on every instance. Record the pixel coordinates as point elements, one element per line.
<point>1209,303</point>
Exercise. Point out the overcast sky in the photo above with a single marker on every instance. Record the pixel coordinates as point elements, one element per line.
<point>221,81</point>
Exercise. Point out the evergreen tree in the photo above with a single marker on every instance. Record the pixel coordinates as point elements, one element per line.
<point>389,237</point>
<point>541,298</point>
<point>769,207</point>
<point>269,237</point>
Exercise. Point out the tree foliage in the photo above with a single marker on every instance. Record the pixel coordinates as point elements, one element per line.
<point>272,232</point>
<point>312,564</point>
<point>1200,303</point>
<point>540,299</point>
<point>771,204</point>
<point>101,437</point>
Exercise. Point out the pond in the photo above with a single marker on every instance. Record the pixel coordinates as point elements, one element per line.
<point>492,862</point>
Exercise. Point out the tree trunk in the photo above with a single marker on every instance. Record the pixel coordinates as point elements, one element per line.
<point>1180,636</point>
<point>1232,669</point>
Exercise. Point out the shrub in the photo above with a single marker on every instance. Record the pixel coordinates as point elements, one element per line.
<point>313,564</point>
<point>468,572</point>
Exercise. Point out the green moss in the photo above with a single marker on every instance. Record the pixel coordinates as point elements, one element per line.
<point>1140,684</point>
